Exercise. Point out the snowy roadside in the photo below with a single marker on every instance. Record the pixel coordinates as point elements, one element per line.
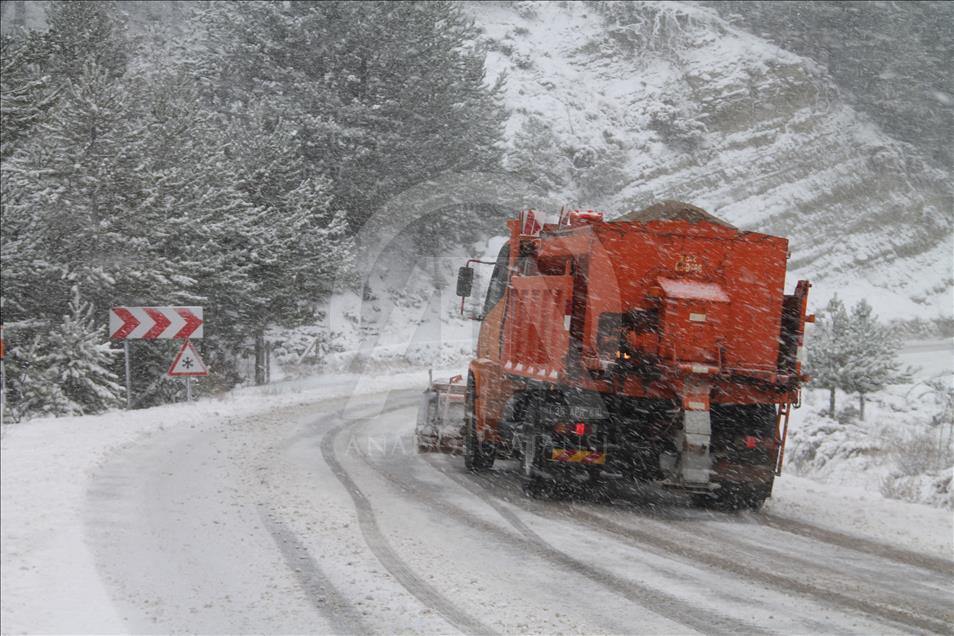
<point>45,467</point>
<point>864,513</point>
<point>902,450</point>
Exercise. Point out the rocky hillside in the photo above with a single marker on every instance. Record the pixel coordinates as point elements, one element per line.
<point>892,59</point>
<point>619,104</point>
<point>622,104</point>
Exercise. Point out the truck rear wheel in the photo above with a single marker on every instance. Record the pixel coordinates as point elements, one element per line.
<point>478,456</point>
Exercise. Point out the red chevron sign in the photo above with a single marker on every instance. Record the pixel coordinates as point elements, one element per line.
<point>152,323</point>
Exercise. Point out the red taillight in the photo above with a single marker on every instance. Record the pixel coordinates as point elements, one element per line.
<point>751,441</point>
<point>580,428</point>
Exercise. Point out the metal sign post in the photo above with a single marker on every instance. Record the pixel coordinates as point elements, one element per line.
<point>3,376</point>
<point>128,381</point>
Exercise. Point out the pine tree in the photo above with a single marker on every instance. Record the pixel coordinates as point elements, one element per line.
<point>381,95</point>
<point>91,32</point>
<point>90,200</point>
<point>537,156</point>
<point>199,219</point>
<point>853,352</point>
<point>830,353</point>
<point>79,357</point>
<point>874,363</point>
<point>34,387</point>
<point>27,91</point>
<point>64,370</point>
<point>82,195</point>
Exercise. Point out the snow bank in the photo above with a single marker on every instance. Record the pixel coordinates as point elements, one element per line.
<point>862,512</point>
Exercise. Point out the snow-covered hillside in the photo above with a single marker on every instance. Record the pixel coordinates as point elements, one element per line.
<point>704,112</point>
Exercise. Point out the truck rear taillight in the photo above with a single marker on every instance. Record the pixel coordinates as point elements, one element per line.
<point>577,428</point>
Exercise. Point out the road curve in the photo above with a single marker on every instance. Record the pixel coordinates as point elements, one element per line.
<point>319,519</point>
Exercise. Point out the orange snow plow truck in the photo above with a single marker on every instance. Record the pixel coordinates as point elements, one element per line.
<point>658,347</point>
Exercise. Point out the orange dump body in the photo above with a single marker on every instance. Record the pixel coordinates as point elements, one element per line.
<point>638,308</point>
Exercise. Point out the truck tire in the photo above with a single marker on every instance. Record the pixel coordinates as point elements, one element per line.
<point>478,456</point>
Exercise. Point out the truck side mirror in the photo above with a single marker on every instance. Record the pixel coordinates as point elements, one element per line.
<point>465,281</point>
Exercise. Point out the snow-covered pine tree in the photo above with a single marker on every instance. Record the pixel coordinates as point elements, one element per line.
<point>537,157</point>
<point>413,81</point>
<point>302,247</point>
<point>64,148</point>
<point>830,351</point>
<point>874,363</point>
<point>195,217</point>
<point>381,95</point>
<point>319,250</point>
<point>80,185</point>
<point>33,387</point>
<point>83,33</point>
<point>64,368</point>
<point>37,65</point>
<point>84,196</point>
<point>265,154</point>
<point>79,357</point>
<point>27,91</point>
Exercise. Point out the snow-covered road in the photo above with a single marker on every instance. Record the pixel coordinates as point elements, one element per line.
<point>318,517</point>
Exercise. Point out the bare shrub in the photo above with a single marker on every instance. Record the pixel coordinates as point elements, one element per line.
<point>916,453</point>
<point>900,489</point>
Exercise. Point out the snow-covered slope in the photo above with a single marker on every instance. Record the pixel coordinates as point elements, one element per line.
<point>707,113</point>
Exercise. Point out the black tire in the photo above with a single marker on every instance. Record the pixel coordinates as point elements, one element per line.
<point>478,456</point>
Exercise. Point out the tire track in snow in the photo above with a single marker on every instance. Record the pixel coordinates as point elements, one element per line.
<point>882,550</point>
<point>910,616</point>
<point>321,593</point>
<point>925,584</point>
<point>654,600</point>
<point>378,544</point>
<point>927,618</point>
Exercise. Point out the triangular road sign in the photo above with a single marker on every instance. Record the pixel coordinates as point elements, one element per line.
<point>188,362</point>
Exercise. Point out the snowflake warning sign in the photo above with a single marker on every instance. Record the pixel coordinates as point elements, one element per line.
<point>188,363</point>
